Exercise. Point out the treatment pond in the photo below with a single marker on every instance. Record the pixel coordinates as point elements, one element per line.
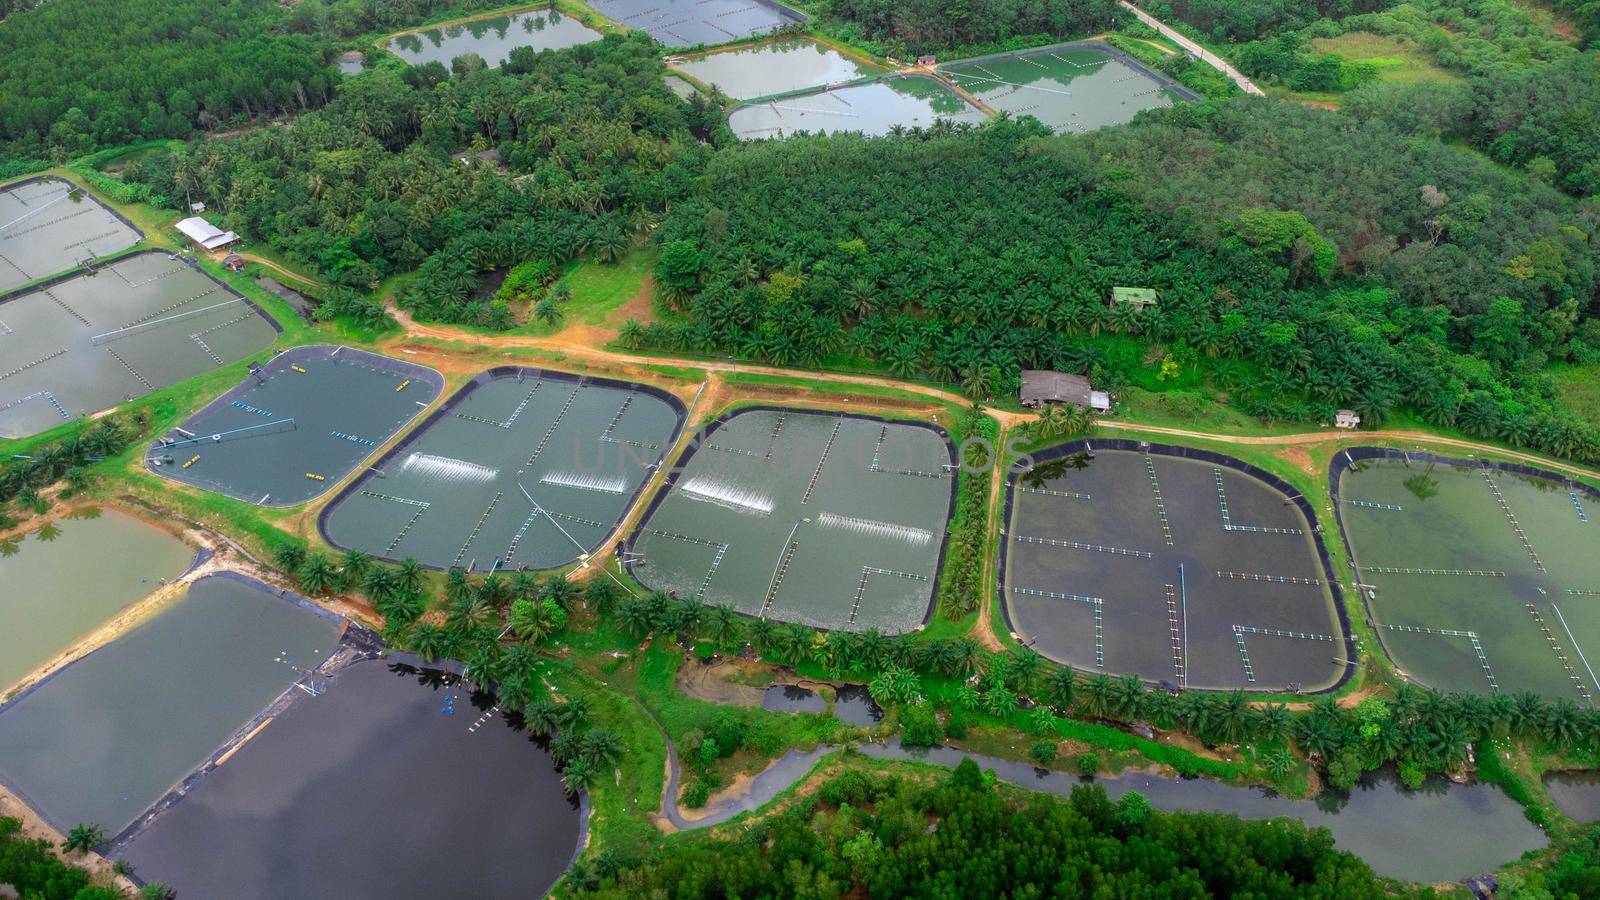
<point>296,426</point>
<point>1479,578</point>
<point>831,520</point>
<point>493,38</point>
<point>873,108</point>
<point>107,737</point>
<point>59,584</point>
<point>386,784</point>
<point>1073,87</point>
<point>521,469</point>
<point>1172,564</point>
<point>775,67</point>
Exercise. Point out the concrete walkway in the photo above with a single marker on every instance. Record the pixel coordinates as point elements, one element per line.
<point>1211,59</point>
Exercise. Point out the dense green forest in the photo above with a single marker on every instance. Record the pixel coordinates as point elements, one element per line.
<point>85,74</point>
<point>366,187</point>
<point>1507,85</point>
<point>911,27</point>
<point>891,836</point>
<point>1346,266</point>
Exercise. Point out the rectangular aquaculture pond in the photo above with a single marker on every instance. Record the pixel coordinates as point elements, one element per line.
<point>88,342</point>
<point>108,736</point>
<point>297,426</point>
<point>873,108</point>
<point>50,225</point>
<point>1173,564</point>
<point>493,38</point>
<point>685,23</point>
<point>390,783</point>
<point>775,67</point>
<point>1074,87</point>
<point>63,581</point>
<point>833,520</point>
<point>521,469</point>
<point>1479,578</point>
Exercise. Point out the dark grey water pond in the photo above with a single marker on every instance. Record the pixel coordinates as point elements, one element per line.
<point>61,584</point>
<point>109,735</point>
<point>1189,571</point>
<point>137,325</point>
<point>1443,832</point>
<point>372,789</point>
<point>1073,88</point>
<point>294,429</point>
<point>792,698</point>
<point>802,516</point>
<point>520,469</point>
<point>49,225</point>
<point>855,706</point>
<point>493,38</point>
<point>1479,579</point>
<point>684,23</point>
<point>1576,794</point>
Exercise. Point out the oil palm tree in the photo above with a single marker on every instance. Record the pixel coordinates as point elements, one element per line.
<point>83,838</point>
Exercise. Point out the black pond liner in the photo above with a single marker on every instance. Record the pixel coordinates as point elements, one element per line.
<point>1217,459</point>
<point>1345,460</point>
<point>444,409</point>
<point>1165,81</point>
<point>279,362</point>
<point>625,550</point>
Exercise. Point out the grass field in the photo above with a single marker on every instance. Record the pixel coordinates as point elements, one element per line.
<point>1397,61</point>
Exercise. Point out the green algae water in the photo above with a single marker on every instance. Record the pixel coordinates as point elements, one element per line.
<point>776,67</point>
<point>63,582</point>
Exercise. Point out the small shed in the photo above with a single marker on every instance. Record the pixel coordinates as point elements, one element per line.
<point>927,62</point>
<point>233,263</point>
<point>198,206</point>
<point>1346,418</point>
<point>205,234</point>
<point>1042,386</point>
<point>1137,297</point>
<point>489,157</point>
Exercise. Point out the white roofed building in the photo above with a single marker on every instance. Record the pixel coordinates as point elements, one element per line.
<point>205,234</point>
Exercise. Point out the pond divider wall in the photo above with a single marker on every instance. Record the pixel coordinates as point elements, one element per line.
<point>1347,459</point>
<point>1218,459</point>
<point>276,364</point>
<point>710,428</point>
<point>495,373</point>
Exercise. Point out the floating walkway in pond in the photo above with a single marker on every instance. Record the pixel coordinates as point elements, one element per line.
<point>1272,579</point>
<point>1050,492</point>
<point>1561,655</point>
<point>1161,505</point>
<point>1078,545</point>
<point>1239,631</point>
<point>1369,504</point>
<point>1401,570</point>
<point>1477,645</point>
<point>509,420</point>
<point>1512,518</point>
<point>1577,504</point>
<point>1099,607</point>
<point>1227,518</point>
